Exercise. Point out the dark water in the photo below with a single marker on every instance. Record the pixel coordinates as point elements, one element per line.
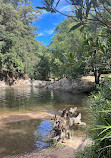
<point>27,136</point>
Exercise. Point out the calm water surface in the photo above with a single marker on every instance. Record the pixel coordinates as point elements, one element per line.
<point>27,136</point>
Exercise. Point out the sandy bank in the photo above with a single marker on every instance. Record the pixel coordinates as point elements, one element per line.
<point>25,116</point>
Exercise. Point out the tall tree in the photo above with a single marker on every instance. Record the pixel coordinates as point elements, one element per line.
<point>18,48</point>
<point>67,50</point>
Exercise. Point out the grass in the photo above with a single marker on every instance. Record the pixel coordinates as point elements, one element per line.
<point>106,75</point>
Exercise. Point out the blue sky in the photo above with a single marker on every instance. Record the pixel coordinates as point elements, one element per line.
<point>49,21</point>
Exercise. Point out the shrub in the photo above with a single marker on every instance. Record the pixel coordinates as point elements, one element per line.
<point>101,128</point>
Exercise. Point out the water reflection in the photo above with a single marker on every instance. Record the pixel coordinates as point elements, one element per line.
<point>41,133</point>
<point>42,99</point>
<point>23,136</point>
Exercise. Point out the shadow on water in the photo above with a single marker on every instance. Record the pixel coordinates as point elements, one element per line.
<point>23,137</point>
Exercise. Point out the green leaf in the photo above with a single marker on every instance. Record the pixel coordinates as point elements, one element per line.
<point>82,28</point>
<point>76,26</point>
<point>44,8</point>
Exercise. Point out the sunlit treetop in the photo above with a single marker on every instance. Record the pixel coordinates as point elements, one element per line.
<point>15,2</point>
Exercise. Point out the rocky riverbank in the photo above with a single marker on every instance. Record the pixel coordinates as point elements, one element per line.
<point>80,85</point>
<point>17,83</point>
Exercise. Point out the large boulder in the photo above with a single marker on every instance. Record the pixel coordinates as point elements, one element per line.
<point>22,82</point>
<point>80,85</point>
<point>86,143</point>
<point>28,82</point>
<point>73,85</point>
<point>38,83</point>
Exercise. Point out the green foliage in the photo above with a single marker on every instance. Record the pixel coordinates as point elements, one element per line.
<point>57,68</point>
<point>101,127</point>
<point>14,2</point>
<point>97,54</point>
<point>18,48</point>
<point>76,26</point>
<point>102,111</point>
<point>67,48</point>
<point>75,70</point>
<point>88,152</point>
<point>42,69</point>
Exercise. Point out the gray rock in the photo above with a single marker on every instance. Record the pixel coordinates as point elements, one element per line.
<point>38,83</point>
<point>86,143</point>
<point>28,82</point>
<point>74,85</point>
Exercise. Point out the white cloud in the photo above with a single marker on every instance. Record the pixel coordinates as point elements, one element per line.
<point>36,12</point>
<point>44,12</point>
<point>46,32</point>
<point>40,34</point>
<point>67,8</point>
<point>49,32</point>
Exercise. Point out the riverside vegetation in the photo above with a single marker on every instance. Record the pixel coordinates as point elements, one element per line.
<point>100,130</point>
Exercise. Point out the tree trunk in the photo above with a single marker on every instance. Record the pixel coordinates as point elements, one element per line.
<point>97,75</point>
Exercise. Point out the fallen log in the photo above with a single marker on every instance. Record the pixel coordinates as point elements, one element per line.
<point>62,124</point>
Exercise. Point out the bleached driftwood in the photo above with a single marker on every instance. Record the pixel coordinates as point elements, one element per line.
<point>63,122</point>
<point>76,121</point>
<point>72,110</point>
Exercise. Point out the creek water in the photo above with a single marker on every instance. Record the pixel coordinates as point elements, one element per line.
<point>28,135</point>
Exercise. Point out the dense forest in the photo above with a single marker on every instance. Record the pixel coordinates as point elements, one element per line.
<point>72,52</point>
<point>19,51</point>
